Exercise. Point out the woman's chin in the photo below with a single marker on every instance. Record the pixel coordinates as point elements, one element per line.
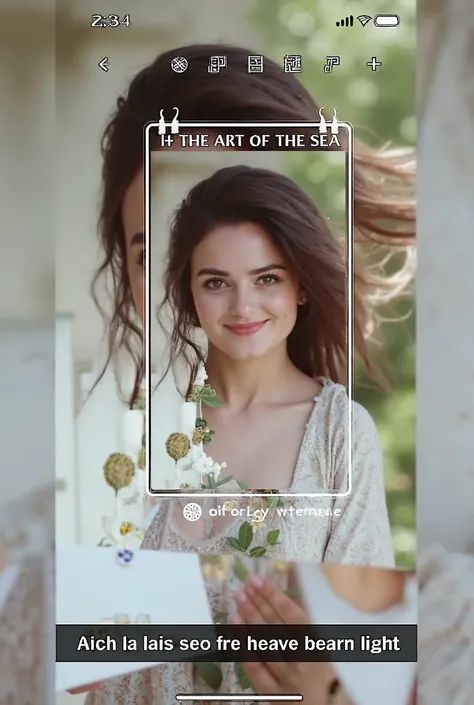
<point>247,353</point>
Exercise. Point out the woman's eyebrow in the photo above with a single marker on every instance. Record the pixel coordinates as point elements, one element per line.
<point>222,273</point>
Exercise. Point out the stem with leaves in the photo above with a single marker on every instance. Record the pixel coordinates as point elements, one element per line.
<point>243,542</point>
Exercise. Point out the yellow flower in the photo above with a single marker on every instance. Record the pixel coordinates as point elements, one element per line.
<point>198,436</point>
<point>178,446</point>
<point>119,470</point>
<point>228,506</point>
<point>126,528</point>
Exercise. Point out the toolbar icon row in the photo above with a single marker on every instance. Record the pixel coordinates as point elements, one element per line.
<point>292,63</point>
<point>255,64</point>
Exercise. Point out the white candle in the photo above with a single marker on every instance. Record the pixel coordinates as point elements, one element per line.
<point>140,480</point>
<point>132,432</point>
<point>188,415</point>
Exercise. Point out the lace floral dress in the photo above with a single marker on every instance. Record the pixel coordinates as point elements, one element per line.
<point>351,529</point>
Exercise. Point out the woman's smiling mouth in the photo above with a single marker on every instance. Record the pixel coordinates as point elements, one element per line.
<point>246,328</point>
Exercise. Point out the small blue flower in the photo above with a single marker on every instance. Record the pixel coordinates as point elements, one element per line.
<point>124,556</point>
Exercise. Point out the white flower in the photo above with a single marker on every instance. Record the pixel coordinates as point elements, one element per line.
<point>258,520</point>
<point>216,469</point>
<point>130,539</point>
<point>257,524</point>
<point>188,472</point>
<point>259,516</point>
<point>201,377</point>
<point>197,463</point>
<point>188,477</point>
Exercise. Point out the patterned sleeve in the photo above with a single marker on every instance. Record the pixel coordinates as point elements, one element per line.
<point>360,528</point>
<point>27,609</point>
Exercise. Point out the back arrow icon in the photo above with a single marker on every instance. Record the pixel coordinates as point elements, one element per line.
<point>104,64</point>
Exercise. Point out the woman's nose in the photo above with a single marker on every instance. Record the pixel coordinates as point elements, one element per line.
<point>242,301</point>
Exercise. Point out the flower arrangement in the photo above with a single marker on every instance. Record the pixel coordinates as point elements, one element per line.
<point>197,470</point>
<point>124,473</point>
<point>194,468</point>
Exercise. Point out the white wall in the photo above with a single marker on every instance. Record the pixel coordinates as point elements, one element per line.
<point>27,419</point>
<point>445,289</point>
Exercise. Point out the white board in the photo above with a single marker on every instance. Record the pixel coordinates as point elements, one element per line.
<point>167,586</point>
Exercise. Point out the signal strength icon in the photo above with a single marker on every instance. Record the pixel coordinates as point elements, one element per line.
<point>364,19</point>
<point>348,22</point>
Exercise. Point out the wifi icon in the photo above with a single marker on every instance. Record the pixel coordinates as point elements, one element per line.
<point>364,19</point>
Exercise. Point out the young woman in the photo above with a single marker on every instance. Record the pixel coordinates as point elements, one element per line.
<point>384,214</point>
<point>253,266</point>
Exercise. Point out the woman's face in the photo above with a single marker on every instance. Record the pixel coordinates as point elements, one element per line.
<point>133,223</point>
<point>245,297</point>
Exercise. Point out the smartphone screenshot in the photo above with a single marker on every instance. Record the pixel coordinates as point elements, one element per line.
<point>235,386</point>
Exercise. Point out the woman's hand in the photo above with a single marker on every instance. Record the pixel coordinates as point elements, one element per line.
<point>260,602</point>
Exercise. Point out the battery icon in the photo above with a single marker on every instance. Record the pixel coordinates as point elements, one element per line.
<point>386,20</point>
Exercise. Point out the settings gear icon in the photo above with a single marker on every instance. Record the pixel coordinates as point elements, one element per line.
<point>192,511</point>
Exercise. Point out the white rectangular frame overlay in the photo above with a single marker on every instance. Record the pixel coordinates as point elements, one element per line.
<point>349,162</point>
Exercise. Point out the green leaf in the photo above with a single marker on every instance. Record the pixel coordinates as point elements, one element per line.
<point>272,537</point>
<point>201,423</point>
<point>242,678</point>
<point>235,543</point>
<point>220,617</point>
<point>224,481</point>
<point>212,402</point>
<point>211,674</point>
<point>245,535</point>
<point>273,502</point>
<point>206,439</point>
<point>239,570</point>
<point>257,551</point>
<point>242,485</point>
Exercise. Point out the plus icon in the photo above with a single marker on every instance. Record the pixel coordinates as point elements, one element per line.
<point>374,64</point>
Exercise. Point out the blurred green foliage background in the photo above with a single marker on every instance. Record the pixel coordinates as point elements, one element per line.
<point>381,106</point>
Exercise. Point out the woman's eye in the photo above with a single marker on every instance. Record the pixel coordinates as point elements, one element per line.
<point>269,279</point>
<point>215,284</point>
<point>141,259</point>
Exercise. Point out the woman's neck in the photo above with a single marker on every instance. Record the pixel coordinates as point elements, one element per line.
<point>243,383</point>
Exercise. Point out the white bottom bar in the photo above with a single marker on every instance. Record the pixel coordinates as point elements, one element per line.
<point>241,698</point>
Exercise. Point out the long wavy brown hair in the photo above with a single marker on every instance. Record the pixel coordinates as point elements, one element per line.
<point>384,209</point>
